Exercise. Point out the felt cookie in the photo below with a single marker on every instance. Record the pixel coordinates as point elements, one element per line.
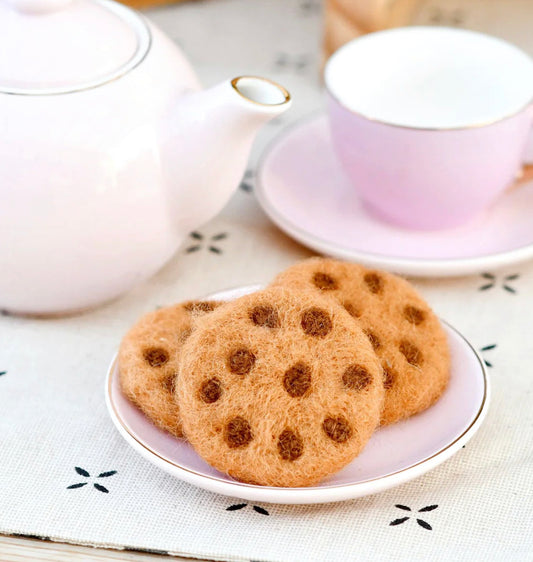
<point>405,333</point>
<point>148,360</point>
<point>279,388</point>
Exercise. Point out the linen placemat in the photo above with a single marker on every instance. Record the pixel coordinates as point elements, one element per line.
<point>66,474</point>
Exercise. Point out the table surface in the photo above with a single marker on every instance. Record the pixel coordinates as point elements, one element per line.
<point>13,549</point>
<point>503,17</point>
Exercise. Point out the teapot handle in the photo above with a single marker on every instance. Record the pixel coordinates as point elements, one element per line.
<point>38,6</point>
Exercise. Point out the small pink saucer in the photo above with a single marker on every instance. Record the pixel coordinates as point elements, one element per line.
<point>303,189</point>
<point>394,455</point>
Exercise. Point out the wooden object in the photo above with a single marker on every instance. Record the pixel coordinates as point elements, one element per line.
<point>347,19</point>
<point>16,549</point>
<point>141,4</point>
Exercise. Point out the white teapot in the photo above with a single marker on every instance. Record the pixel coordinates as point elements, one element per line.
<point>110,153</point>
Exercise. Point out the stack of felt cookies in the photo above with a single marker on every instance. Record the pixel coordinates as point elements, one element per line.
<point>285,386</point>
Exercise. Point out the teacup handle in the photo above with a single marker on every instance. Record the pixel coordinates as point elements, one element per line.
<point>525,174</point>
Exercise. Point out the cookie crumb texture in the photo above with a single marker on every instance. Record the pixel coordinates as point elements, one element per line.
<point>404,332</point>
<point>279,388</point>
<point>148,361</point>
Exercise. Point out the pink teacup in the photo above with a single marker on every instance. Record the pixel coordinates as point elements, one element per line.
<point>430,123</point>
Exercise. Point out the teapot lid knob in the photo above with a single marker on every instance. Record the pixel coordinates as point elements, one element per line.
<point>38,6</point>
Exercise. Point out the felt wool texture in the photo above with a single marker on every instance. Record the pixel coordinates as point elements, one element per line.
<point>405,333</point>
<point>279,388</point>
<point>148,360</point>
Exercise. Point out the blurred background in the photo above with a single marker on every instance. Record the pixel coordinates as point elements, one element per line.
<point>342,20</point>
<point>289,40</point>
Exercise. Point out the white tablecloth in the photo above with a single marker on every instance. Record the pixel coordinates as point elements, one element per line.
<point>52,413</point>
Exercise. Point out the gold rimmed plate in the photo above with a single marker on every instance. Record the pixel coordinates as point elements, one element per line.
<point>394,454</point>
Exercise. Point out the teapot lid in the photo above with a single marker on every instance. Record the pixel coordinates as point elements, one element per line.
<point>63,46</point>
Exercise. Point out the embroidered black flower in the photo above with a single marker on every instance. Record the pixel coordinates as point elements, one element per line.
<point>85,474</point>
<point>295,63</point>
<point>246,183</point>
<point>236,507</point>
<point>211,242</point>
<point>504,283</point>
<point>421,522</point>
<point>277,121</point>
<point>256,508</point>
<point>308,7</point>
<point>487,348</point>
<point>437,16</point>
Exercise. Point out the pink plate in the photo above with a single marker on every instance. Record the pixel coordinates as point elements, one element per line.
<point>304,191</point>
<point>394,455</point>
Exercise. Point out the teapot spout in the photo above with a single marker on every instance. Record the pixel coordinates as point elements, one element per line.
<point>269,97</point>
<point>207,141</point>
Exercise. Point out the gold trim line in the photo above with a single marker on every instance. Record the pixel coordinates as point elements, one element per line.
<point>284,91</point>
<point>414,128</point>
<point>144,46</point>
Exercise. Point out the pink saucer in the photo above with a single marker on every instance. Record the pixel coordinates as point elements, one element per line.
<point>304,191</point>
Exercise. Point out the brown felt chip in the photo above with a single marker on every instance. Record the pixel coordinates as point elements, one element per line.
<point>265,316</point>
<point>238,433</point>
<point>414,315</point>
<point>241,361</point>
<point>290,445</point>
<point>388,378</point>
<point>337,429</point>
<point>307,396</point>
<point>211,390</point>
<point>316,322</point>
<point>199,307</point>
<point>412,354</point>
<point>351,309</point>
<point>403,330</point>
<point>148,360</point>
<point>324,282</point>
<point>297,379</point>
<point>169,382</point>
<point>155,356</point>
<point>374,282</point>
<point>374,339</point>
<point>356,377</point>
